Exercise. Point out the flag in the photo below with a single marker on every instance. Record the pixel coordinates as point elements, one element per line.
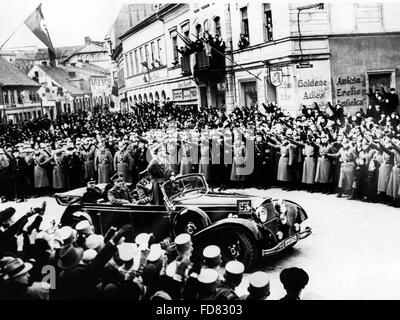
<point>35,22</point>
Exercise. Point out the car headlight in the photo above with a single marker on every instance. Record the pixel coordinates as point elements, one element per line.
<point>279,235</point>
<point>262,214</point>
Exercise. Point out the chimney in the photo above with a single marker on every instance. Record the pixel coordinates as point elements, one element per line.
<point>88,40</point>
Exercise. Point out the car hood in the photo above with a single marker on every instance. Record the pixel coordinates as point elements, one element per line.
<point>220,198</point>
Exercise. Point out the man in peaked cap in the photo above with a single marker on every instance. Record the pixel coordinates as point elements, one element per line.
<point>212,257</point>
<point>183,244</point>
<point>294,280</point>
<point>258,286</point>
<point>233,275</point>
<point>119,194</point>
<point>207,284</point>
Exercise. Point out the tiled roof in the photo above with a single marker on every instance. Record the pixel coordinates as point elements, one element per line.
<point>11,76</point>
<point>61,76</point>
<point>87,48</point>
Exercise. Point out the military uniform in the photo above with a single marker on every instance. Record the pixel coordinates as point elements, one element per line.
<point>116,194</point>
<point>323,171</point>
<point>103,163</point>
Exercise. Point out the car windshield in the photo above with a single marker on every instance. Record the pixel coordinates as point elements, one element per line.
<point>183,185</point>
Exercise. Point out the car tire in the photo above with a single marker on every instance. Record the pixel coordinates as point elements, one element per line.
<point>238,245</point>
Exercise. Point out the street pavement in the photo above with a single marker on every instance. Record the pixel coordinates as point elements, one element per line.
<point>352,253</point>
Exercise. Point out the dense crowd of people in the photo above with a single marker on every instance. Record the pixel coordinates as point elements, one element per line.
<point>321,149</point>
<point>75,263</point>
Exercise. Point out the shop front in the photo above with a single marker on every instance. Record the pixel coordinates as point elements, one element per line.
<point>299,84</point>
<point>375,66</point>
<point>185,93</point>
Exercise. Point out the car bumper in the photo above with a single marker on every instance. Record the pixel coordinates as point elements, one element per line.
<point>287,242</point>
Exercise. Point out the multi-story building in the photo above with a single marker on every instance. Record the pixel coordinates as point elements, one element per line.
<point>93,52</point>
<point>290,53</point>
<point>152,67</point>
<point>129,16</point>
<point>62,90</point>
<point>19,99</point>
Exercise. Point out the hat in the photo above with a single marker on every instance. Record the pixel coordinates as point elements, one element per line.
<point>234,272</point>
<point>66,234</point>
<point>142,240</point>
<point>183,242</point>
<point>294,278</point>
<point>118,177</point>
<point>160,295</point>
<point>155,253</point>
<point>4,261</point>
<point>94,241</point>
<point>88,256</point>
<point>207,281</point>
<point>212,256</point>
<point>70,257</point>
<point>258,283</point>
<point>127,251</point>
<point>15,268</point>
<point>84,227</point>
<point>6,214</point>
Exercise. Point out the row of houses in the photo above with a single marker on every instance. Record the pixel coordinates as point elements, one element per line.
<point>80,81</point>
<point>284,52</point>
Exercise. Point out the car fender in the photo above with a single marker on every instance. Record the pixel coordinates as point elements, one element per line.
<point>190,209</point>
<point>246,224</point>
<point>300,215</point>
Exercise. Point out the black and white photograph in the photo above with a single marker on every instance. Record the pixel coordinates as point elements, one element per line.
<point>210,151</point>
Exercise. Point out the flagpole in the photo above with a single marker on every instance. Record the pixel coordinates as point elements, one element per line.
<point>235,63</point>
<point>11,35</point>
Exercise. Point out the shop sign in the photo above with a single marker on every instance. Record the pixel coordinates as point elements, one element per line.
<point>177,94</point>
<point>184,84</point>
<point>186,94</point>
<point>276,76</point>
<point>193,93</point>
<point>221,86</point>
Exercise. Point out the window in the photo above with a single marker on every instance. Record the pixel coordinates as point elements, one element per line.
<point>19,98</point>
<point>185,30</point>
<point>152,46</point>
<point>174,46</point>
<point>217,26</point>
<point>5,97</point>
<point>131,63</point>
<point>136,62</point>
<point>127,66</point>
<point>159,53</point>
<point>12,97</point>
<point>267,22</point>
<point>245,21</point>
<point>198,30</point>
<point>141,59</point>
<point>146,51</point>
<point>205,25</point>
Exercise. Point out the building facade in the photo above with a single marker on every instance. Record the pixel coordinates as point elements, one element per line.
<point>152,67</point>
<point>19,99</point>
<point>61,91</point>
<point>289,53</point>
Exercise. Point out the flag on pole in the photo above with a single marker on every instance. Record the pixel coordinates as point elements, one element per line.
<point>35,22</point>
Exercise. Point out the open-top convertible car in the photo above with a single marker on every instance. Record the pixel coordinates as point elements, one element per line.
<point>244,226</point>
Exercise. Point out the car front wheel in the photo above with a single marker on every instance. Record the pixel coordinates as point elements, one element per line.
<point>238,245</point>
